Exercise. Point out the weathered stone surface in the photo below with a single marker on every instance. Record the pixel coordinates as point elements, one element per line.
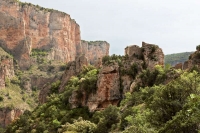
<point>185,65</point>
<point>126,83</point>
<point>24,27</point>
<point>44,92</point>
<point>133,50</point>
<point>194,60</point>
<point>95,51</point>
<point>153,55</point>
<point>7,115</point>
<point>73,68</point>
<point>36,81</point>
<point>150,54</point>
<point>6,70</point>
<point>108,86</point>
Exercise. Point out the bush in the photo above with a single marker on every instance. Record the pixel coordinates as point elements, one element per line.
<point>198,48</point>
<point>1,98</point>
<point>15,80</point>
<point>7,81</point>
<point>55,87</point>
<point>38,52</point>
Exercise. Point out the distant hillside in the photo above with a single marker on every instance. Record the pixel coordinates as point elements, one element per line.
<point>173,59</point>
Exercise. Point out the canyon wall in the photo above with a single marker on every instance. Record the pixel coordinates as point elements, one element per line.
<point>24,27</point>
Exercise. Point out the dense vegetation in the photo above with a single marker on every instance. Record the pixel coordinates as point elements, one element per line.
<point>50,116</point>
<point>173,59</point>
<point>157,105</point>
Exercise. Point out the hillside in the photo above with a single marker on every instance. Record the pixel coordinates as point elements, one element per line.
<point>176,58</point>
<point>52,81</point>
<point>116,99</point>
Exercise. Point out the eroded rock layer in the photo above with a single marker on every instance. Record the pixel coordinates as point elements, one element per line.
<point>24,27</point>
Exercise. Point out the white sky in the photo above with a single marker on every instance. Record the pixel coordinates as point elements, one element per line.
<point>174,25</point>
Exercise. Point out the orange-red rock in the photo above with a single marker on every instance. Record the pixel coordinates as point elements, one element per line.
<point>25,26</point>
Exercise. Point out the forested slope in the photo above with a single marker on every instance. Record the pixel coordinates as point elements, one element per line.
<point>176,58</point>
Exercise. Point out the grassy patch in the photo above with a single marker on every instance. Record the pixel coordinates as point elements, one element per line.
<point>12,96</point>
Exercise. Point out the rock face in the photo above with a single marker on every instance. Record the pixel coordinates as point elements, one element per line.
<point>107,91</point>
<point>133,50</point>
<point>6,67</point>
<point>108,88</point>
<point>194,60</point>
<point>95,51</point>
<point>7,115</point>
<point>150,54</point>
<point>24,27</point>
<point>153,55</point>
<point>112,82</point>
<point>73,68</point>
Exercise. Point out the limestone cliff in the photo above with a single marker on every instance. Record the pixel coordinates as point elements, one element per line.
<point>95,51</point>
<point>108,88</point>
<point>24,27</point>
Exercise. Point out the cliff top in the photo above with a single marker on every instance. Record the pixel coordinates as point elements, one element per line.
<point>37,7</point>
<point>94,42</point>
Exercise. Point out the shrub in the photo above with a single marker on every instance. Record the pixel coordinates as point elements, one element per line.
<point>63,67</point>
<point>198,47</point>
<point>38,52</point>
<point>133,70</point>
<point>15,80</point>
<point>7,81</point>
<point>1,98</point>
<point>55,87</point>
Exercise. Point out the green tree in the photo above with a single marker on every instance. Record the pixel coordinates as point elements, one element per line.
<point>80,126</point>
<point>107,119</point>
<point>168,100</point>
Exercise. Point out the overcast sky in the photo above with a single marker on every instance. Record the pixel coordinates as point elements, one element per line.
<point>174,25</point>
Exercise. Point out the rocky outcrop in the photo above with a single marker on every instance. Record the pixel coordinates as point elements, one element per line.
<point>24,27</point>
<point>73,68</point>
<point>133,50</point>
<point>118,77</point>
<point>7,115</point>
<point>95,51</point>
<point>149,54</point>
<point>153,55</point>
<point>193,61</point>
<point>108,89</point>
<point>6,68</point>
